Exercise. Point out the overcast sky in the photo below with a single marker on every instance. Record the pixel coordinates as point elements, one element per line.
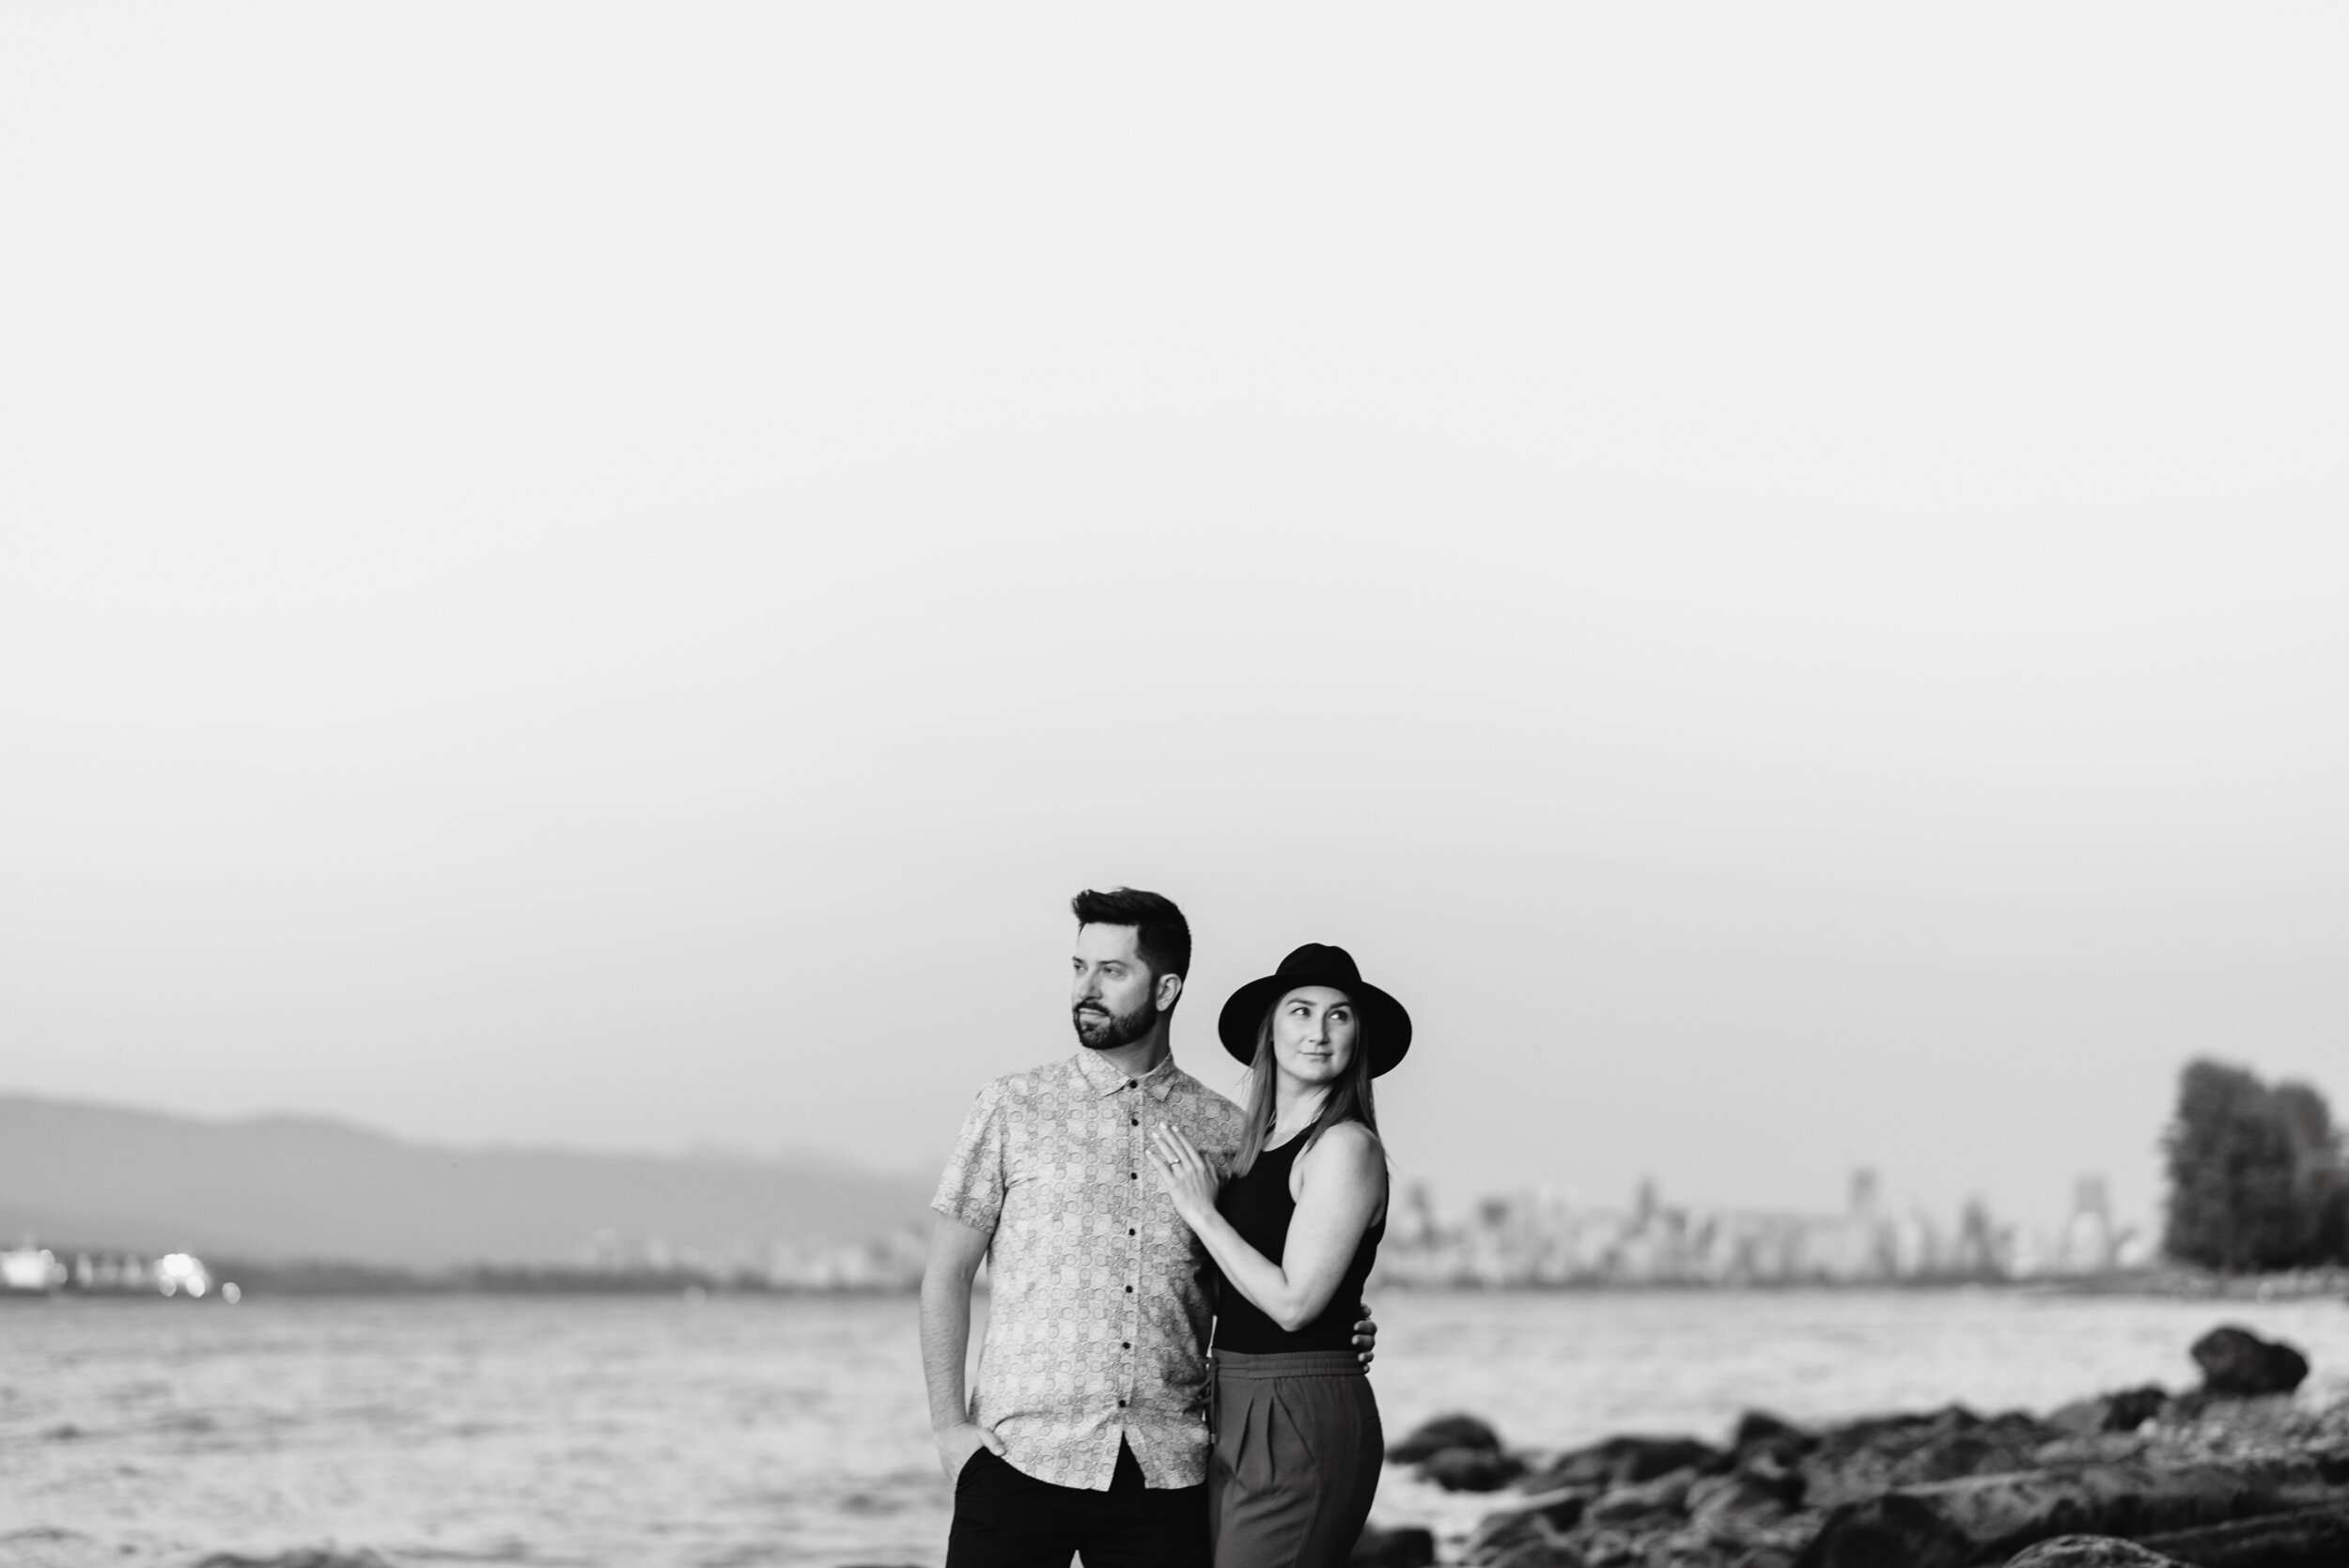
<point>599,574</point>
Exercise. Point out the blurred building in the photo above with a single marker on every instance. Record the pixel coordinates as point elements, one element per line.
<point>892,1260</point>
<point>1541,1238</point>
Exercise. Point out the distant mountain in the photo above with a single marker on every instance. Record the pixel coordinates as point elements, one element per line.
<point>286,1189</point>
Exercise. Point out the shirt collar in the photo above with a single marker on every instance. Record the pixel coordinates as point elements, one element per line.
<point>1105,1080</point>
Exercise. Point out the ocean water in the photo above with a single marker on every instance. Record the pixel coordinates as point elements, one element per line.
<point>740,1431</point>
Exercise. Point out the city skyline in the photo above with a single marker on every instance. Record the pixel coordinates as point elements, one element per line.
<point>1542,1238</point>
<point>138,1148</point>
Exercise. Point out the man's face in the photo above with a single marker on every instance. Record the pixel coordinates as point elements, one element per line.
<point>1112,996</point>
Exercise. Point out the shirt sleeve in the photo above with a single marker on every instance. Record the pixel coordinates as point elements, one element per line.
<point>1220,1125</point>
<point>972,1190</point>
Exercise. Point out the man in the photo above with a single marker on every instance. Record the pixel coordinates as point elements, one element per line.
<point>1089,1433</point>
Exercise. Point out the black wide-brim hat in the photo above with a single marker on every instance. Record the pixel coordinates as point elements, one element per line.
<point>1315,964</point>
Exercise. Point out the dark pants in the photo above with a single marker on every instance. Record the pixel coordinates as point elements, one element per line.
<point>1297,1446</point>
<point>1007,1520</point>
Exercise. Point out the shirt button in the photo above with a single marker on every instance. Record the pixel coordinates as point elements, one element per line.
<point>1129,1231</point>
<point>1126,1345</point>
<point>1129,1290</point>
<point>1121,1405</point>
<point>1135,1174</point>
<point>1137,1121</point>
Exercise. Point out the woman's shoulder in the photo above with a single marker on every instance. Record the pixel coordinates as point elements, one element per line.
<point>1347,1149</point>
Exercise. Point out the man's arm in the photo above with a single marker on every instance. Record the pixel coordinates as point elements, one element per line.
<point>955,1251</point>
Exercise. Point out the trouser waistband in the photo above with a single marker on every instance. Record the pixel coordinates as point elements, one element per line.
<point>1288,1364</point>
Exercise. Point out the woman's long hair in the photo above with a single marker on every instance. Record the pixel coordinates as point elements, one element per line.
<point>1350,1099</point>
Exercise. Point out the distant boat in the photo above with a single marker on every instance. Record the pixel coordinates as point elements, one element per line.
<point>176,1272</point>
<point>30,1271</point>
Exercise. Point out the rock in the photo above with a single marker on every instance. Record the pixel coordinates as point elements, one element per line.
<point>1564,1510</point>
<point>1643,1459</point>
<point>1466,1469</point>
<point>1763,1469</point>
<point>2230,1412</point>
<point>2306,1538</point>
<point>1409,1546</point>
<point>2091,1551</point>
<point>1665,1495</point>
<point>1949,1524</point>
<point>1864,1458</point>
<point>1553,1510</point>
<point>1758,1427</point>
<point>1768,1453</point>
<point>2095,1448</point>
<point>1762,1428</point>
<point>1444,1432</point>
<point>2130,1408</point>
<point>1511,1536</point>
<point>1540,1554</point>
<point>1721,1502</point>
<point>2005,1442</point>
<point>1893,1530</point>
<point>1686,1547</point>
<point>1858,1459</point>
<point>2124,1410</point>
<point>1497,1535</point>
<point>300,1557</point>
<point>1765,1557</point>
<point>2238,1364</point>
<point>1627,1461</point>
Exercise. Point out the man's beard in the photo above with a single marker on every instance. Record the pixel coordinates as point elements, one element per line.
<point>1101,1030</point>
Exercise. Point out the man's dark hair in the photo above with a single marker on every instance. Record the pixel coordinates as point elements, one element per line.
<point>1161,935</point>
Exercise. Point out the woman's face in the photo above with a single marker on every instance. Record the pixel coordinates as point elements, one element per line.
<point>1313,1035</point>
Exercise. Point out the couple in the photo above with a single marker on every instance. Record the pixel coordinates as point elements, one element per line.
<point>1126,1205</point>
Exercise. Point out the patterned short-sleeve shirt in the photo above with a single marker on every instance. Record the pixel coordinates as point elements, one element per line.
<point>1100,1303</point>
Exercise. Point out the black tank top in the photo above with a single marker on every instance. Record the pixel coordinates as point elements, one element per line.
<point>1258,1205</point>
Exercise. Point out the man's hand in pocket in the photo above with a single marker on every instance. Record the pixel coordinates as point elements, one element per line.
<point>958,1442</point>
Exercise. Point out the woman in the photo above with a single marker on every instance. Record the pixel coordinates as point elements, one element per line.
<point>1294,1231</point>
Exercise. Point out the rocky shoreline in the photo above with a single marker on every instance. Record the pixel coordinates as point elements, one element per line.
<point>2232,1473</point>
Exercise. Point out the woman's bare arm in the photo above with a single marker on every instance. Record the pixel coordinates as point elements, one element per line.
<point>1342,1183</point>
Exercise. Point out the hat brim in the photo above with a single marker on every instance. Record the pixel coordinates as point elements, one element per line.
<point>1388,1021</point>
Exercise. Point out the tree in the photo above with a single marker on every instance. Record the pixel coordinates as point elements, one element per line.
<point>2321,1183</point>
<point>2236,1188</point>
<point>2328,1241</point>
